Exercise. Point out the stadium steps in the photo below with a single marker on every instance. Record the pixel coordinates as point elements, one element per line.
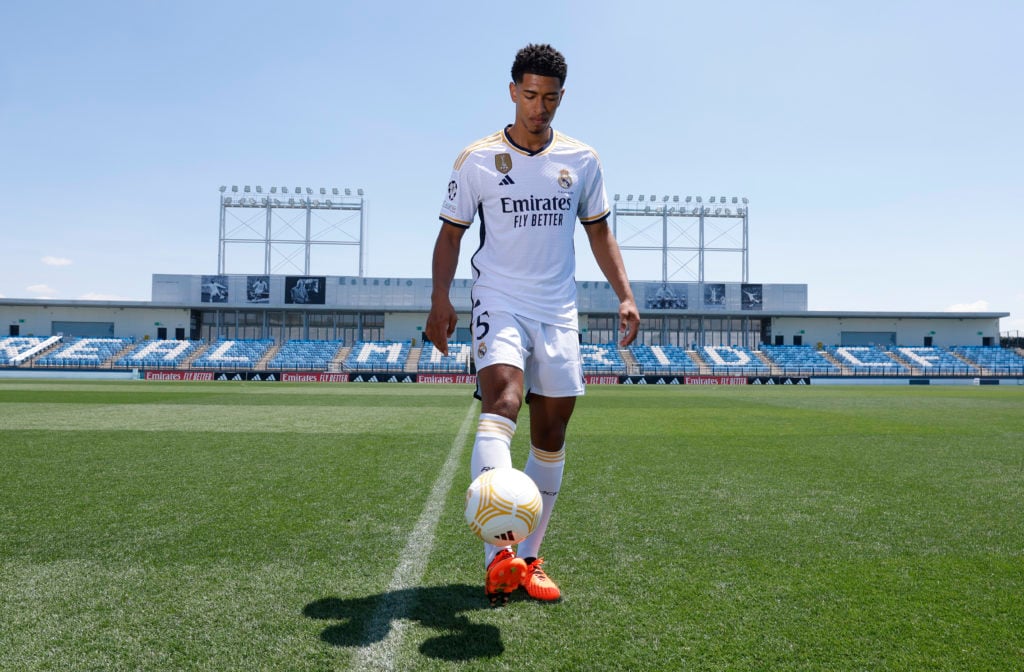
<point>842,368</point>
<point>338,363</point>
<point>772,366</point>
<point>702,364</point>
<point>964,360</point>
<point>412,362</point>
<point>31,361</point>
<point>123,352</point>
<point>632,366</point>
<point>187,364</point>
<point>914,369</point>
<point>265,360</point>
<point>900,360</point>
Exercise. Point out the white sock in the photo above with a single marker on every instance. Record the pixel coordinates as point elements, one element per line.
<point>545,468</point>
<point>491,450</point>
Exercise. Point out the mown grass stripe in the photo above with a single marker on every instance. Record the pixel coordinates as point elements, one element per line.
<point>389,620</point>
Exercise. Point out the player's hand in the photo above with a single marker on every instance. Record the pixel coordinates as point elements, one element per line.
<point>441,324</point>
<point>629,322</point>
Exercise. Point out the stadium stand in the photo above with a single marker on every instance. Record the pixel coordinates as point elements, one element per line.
<point>933,361</point>
<point>240,354</point>
<point>663,359</point>
<point>378,356</point>
<point>867,359</point>
<point>601,358</point>
<point>993,361</point>
<point>800,360</point>
<point>85,352</point>
<point>733,360</point>
<point>299,354</point>
<point>159,353</point>
<point>456,361</point>
<point>17,349</point>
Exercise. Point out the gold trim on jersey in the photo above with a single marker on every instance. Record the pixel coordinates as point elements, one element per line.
<point>501,139</point>
<point>456,222</point>
<point>492,139</point>
<point>595,220</point>
<point>523,150</point>
<point>582,145</point>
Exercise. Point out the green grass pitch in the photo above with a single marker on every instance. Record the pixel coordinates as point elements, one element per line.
<point>248,526</point>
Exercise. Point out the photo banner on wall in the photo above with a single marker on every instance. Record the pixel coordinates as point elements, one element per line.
<point>303,289</point>
<point>214,289</point>
<point>257,289</point>
<point>753,297</point>
<point>714,295</point>
<point>666,295</point>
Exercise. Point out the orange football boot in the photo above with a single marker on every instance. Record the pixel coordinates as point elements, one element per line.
<point>537,583</point>
<point>505,573</point>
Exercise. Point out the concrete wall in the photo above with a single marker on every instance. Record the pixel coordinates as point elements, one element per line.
<point>909,331</point>
<point>136,321</point>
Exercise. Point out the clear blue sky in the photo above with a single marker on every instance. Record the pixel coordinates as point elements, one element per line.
<point>879,143</point>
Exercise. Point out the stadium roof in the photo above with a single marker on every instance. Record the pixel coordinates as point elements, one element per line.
<point>833,314</point>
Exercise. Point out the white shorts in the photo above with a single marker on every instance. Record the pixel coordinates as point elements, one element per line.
<point>548,356</point>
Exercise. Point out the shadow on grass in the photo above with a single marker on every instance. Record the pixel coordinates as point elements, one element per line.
<point>363,621</point>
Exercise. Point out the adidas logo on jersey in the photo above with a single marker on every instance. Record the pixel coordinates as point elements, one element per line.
<point>506,181</point>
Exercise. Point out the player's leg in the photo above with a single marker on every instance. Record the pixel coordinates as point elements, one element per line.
<point>549,418</point>
<point>498,386</point>
<point>556,378</point>
<point>500,357</point>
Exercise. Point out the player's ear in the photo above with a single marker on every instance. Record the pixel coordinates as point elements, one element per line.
<point>512,90</point>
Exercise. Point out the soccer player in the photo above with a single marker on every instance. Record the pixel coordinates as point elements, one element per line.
<point>527,184</point>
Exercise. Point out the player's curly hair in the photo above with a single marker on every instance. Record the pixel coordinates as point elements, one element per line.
<point>539,59</point>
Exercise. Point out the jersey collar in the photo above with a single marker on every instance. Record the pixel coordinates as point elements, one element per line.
<point>519,148</point>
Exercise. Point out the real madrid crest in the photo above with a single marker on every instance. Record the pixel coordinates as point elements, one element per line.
<point>481,351</point>
<point>564,179</point>
<point>503,162</point>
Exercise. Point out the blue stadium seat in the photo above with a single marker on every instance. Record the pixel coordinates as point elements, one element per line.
<point>734,360</point>
<point>233,354</point>
<point>378,356</point>
<point>159,354</point>
<point>16,349</point>
<point>866,359</point>
<point>992,360</point>
<point>85,352</point>
<point>299,354</point>
<point>602,358</point>
<point>797,360</point>
<point>457,360</point>
<point>663,359</point>
<point>933,361</point>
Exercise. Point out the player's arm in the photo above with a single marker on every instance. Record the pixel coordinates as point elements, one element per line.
<point>609,260</point>
<point>443,318</point>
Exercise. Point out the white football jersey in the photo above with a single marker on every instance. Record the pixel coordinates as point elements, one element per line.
<point>527,204</point>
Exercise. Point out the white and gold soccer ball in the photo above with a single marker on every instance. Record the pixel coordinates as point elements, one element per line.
<point>503,506</point>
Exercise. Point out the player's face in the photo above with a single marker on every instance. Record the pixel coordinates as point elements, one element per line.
<point>536,100</point>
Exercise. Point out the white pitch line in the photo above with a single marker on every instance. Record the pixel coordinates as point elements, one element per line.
<point>389,620</point>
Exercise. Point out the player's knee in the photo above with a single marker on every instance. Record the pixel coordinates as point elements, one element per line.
<point>507,405</point>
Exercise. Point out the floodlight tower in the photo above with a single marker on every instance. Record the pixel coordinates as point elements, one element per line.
<point>690,226</point>
<point>286,224</point>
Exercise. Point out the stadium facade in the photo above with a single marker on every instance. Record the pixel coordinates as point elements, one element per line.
<point>308,326</point>
<point>352,309</point>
